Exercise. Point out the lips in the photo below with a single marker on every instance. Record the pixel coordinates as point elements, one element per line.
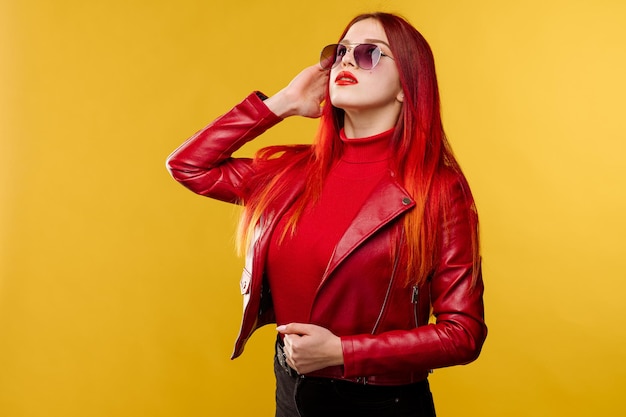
<point>345,78</point>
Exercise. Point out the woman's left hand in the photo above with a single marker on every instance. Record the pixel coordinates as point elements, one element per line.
<point>309,347</point>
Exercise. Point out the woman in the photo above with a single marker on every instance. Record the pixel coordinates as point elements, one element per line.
<point>355,240</point>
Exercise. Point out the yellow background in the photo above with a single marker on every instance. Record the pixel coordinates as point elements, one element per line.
<point>119,288</point>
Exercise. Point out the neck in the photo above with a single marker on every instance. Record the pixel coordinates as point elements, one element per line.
<point>363,123</point>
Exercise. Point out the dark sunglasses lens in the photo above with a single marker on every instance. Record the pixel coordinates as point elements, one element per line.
<point>366,55</point>
<point>328,57</point>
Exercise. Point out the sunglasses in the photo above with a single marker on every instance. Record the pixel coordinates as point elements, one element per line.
<point>366,55</point>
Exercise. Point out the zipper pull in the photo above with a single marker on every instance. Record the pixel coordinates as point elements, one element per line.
<point>415,294</point>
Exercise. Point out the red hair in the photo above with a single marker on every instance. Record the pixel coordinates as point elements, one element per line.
<point>423,157</point>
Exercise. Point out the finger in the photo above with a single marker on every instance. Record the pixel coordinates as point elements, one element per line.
<point>294,328</point>
<point>289,352</point>
<point>288,341</point>
<point>291,364</point>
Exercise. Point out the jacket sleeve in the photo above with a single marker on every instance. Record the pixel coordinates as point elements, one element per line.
<point>459,332</point>
<point>204,164</point>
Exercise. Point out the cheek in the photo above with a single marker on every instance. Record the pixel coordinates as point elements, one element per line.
<point>393,79</point>
<point>393,86</point>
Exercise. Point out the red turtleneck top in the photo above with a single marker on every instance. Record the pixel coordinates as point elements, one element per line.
<point>296,265</point>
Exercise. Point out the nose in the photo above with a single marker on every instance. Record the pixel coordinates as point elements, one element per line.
<point>348,58</point>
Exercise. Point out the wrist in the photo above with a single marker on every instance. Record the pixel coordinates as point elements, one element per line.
<point>281,105</point>
<point>337,356</point>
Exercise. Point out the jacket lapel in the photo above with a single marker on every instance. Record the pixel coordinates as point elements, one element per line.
<point>388,201</point>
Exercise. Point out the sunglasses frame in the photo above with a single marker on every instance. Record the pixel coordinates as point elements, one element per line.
<point>326,57</point>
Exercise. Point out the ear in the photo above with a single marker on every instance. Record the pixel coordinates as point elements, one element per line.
<point>400,96</point>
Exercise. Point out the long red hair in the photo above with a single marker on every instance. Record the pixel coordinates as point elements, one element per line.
<point>422,158</point>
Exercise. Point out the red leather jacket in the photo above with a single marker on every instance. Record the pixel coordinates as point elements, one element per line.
<point>383,323</point>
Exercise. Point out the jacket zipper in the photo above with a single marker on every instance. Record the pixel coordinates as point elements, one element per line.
<point>415,292</point>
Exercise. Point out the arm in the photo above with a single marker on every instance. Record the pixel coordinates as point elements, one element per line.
<point>204,163</point>
<point>457,303</point>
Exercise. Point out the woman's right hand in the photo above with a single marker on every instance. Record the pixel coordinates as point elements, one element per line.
<point>303,96</point>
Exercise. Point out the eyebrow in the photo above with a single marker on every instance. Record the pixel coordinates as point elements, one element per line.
<point>345,41</point>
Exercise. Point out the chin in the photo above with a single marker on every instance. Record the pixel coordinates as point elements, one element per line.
<point>342,102</point>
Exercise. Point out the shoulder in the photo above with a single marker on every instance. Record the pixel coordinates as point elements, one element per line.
<point>451,181</point>
<point>456,198</point>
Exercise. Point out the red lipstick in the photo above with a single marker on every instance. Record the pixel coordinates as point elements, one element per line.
<point>345,78</point>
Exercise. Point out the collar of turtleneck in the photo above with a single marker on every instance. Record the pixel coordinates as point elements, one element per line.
<point>366,150</point>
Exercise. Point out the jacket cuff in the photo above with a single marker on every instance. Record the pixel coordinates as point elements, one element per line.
<point>260,95</point>
<point>349,364</point>
<point>256,99</point>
